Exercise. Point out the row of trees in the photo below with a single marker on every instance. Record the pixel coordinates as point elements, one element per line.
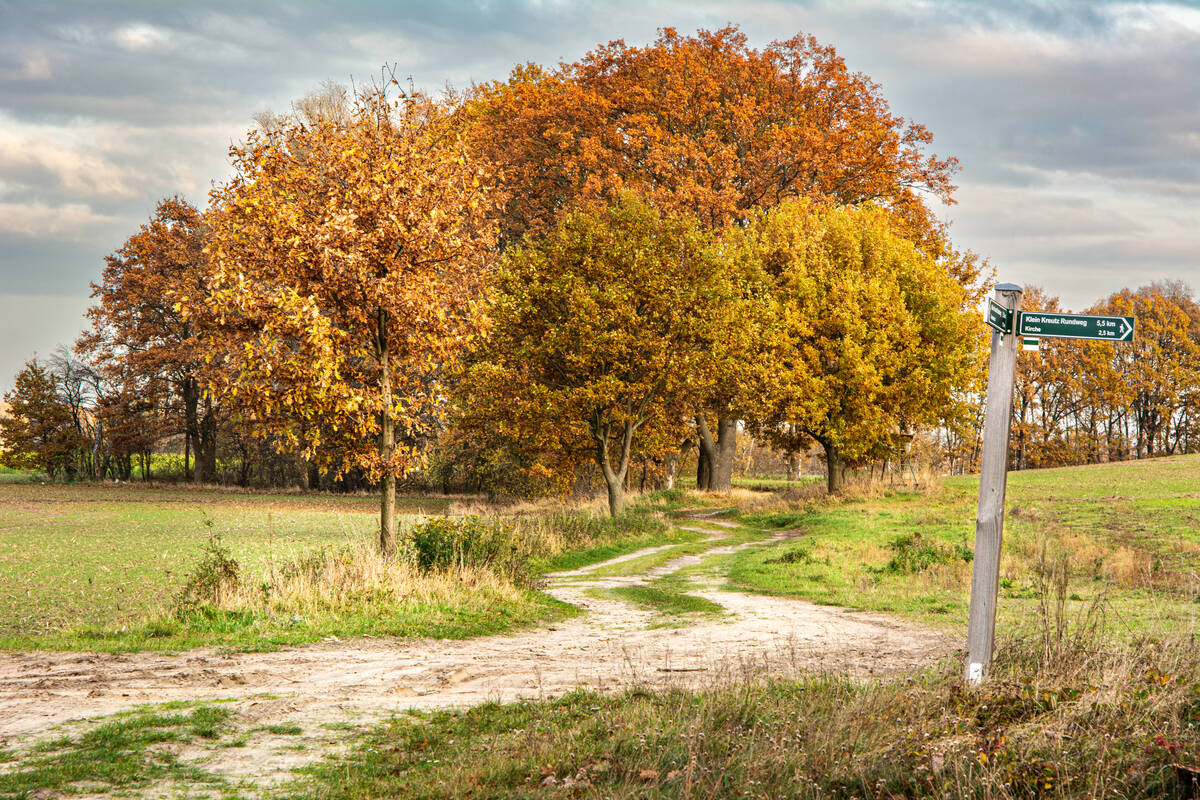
<point>556,275</point>
<point>1081,402</point>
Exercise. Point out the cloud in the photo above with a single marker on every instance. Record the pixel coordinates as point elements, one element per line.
<point>74,222</point>
<point>74,158</point>
<point>141,37</point>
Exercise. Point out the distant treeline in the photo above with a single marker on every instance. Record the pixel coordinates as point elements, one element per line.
<point>1086,402</point>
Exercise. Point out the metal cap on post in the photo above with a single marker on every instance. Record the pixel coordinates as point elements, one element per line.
<point>993,477</point>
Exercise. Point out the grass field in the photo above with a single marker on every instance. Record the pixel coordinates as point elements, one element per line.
<point>1123,539</point>
<point>1079,705</point>
<point>1095,690</point>
<point>99,567</point>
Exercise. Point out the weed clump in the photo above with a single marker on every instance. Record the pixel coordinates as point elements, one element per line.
<point>797,555</point>
<point>213,577</point>
<point>913,553</point>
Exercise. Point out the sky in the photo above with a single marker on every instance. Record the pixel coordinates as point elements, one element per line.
<point>1077,125</point>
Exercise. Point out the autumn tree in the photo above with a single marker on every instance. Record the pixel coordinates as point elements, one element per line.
<point>708,126</point>
<point>597,331</point>
<point>876,337</point>
<point>345,253</point>
<point>1153,379</point>
<point>37,432</point>
<point>139,333</point>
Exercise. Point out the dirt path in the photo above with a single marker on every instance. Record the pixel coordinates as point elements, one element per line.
<point>608,647</point>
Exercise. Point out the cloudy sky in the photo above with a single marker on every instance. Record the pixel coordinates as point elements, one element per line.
<point>1077,124</point>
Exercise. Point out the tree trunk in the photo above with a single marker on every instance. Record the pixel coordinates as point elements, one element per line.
<point>703,470</point>
<point>792,468</point>
<point>716,456</point>
<point>614,478</point>
<point>206,445</point>
<point>387,446</point>
<point>722,472</point>
<point>97,445</point>
<point>835,469</point>
<point>191,424</point>
<point>671,464</point>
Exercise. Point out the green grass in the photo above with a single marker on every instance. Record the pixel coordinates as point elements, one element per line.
<point>471,614</point>
<point>129,752</point>
<point>1129,532</point>
<point>668,602</point>
<point>637,532</point>
<point>105,557</point>
<point>696,543</point>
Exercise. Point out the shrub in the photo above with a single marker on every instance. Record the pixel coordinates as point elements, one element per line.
<point>443,543</point>
<point>797,555</point>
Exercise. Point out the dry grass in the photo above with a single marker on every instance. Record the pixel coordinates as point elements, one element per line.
<point>352,579</point>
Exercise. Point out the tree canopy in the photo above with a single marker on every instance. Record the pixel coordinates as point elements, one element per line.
<point>877,337</point>
<point>599,330</point>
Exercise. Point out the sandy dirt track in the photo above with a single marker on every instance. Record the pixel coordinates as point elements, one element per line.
<point>609,647</point>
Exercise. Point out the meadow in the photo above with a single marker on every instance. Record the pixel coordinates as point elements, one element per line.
<point>102,567</point>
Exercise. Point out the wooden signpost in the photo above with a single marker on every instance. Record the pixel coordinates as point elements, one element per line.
<point>1010,327</point>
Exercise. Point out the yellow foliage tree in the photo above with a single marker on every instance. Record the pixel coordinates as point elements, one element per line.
<point>599,331</point>
<point>874,337</point>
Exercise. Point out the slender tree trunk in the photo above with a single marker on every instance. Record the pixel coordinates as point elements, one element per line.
<point>614,477</point>
<point>708,454</point>
<point>703,469</point>
<point>671,465</point>
<point>387,446</point>
<point>97,444</point>
<point>191,425</point>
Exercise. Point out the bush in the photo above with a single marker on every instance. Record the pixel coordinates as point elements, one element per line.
<point>797,555</point>
<point>914,553</point>
<point>444,543</point>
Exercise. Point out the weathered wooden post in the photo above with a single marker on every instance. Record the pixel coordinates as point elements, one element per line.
<point>993,479</point>
<point>1011,325</point>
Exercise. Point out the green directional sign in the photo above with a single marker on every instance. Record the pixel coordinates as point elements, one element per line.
<point>1075,326</point>
<point>998,316</point>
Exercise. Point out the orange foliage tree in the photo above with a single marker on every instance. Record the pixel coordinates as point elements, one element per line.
<point>140,337</point>
<point>36,431</point>
<point>1079,401</point>
<point>707,126</point>
<point>344,255</point>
